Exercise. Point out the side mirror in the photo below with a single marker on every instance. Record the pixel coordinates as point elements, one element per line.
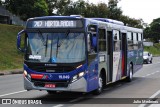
<point>19,47</point>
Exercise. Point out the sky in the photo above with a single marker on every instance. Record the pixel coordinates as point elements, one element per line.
<point>138,9</point>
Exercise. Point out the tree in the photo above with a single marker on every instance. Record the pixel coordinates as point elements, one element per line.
<point>27,8</point>
<point>138,23</point>
<point>114,11</point>
<point>153,31</point>
<point>57,7</point>
<point>85,9</point>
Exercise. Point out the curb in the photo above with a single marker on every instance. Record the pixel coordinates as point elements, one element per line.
<point>10,72</point>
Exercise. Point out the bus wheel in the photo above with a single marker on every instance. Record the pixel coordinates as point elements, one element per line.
<point>130,77</point>
<point>100,88</point>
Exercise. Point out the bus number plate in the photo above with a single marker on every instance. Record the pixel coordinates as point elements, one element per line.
<point>50,85</point>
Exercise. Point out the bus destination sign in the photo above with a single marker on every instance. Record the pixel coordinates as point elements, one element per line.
<point>54,24</point>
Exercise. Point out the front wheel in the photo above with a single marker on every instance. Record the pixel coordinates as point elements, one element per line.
<point>100,88</point>
<point>130,77</point>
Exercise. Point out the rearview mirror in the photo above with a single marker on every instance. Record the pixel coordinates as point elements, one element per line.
<point>20,44</point>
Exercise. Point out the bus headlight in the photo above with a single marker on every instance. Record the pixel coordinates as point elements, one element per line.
<point>76,77</point>
<point>27,75</point>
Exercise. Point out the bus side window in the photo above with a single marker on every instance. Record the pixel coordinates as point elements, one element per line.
<point>135,42</point>
<point>116,40</point>
<point>130,40</point>
<point>140,42</point>
<point>102,40</point>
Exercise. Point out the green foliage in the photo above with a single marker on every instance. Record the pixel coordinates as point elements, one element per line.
<point>114,11</point>
<point>155,50</point>
<point>10,58</point>
<point>57,5</point>
<point>34,8</point>
<point>27,8</point>
<point>153,31</point>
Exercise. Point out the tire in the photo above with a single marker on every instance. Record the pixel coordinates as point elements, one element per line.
<point>100,88</point>
<point>130,77</point>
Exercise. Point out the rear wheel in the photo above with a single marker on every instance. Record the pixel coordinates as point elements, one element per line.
<point>130,77</point>
<point>100,88</point>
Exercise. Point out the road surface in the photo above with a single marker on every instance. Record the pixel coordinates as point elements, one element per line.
<point>145,84</point>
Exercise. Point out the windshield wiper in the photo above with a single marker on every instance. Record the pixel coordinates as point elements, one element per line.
<point>46,44</point>
<point>59,44</point>
<point>66,35</point>
<point>41,37</point>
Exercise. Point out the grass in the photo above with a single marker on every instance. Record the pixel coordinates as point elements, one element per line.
<point>10,57</point>
<point>155,50</point>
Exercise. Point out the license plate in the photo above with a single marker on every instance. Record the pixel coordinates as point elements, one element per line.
<point>50,85</point>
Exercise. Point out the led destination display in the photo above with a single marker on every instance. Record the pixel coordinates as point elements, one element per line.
<point>55,24</point>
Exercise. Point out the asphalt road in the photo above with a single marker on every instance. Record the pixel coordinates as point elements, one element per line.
<point>145,84</point>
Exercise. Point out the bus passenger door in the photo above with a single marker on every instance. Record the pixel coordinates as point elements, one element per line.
<point>110,56</point>
<point>124,54</point>
<point>116,55</point>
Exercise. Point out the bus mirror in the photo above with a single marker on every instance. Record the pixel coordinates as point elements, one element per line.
<point>20,45</point>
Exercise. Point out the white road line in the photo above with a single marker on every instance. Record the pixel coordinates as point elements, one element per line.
<point>153,96</point>
<point>13,93</point>
<point>150,74</point>
<point>59,105</point>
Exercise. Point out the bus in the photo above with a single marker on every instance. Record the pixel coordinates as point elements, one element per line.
<point>77,54</point>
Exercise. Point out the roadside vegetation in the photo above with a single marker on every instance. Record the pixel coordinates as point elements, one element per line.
<point>10,58</point>
<point>155,49</point>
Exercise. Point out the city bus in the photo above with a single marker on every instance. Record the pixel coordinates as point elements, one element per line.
<point>77,54</point>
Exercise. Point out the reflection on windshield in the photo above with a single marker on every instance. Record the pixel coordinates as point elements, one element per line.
<point>59,47</point>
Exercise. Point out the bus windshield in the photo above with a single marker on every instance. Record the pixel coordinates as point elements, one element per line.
<point>55,47</point>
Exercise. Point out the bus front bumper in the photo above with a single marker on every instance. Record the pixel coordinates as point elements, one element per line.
<point>78,86</point>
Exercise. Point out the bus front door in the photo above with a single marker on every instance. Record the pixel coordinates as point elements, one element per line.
<point>124,55</point>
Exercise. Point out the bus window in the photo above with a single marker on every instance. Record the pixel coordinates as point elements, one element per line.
<point>135,42</point>
<point>102,40</point>
<point>129,35</point>
<point>140,43</point>
<point>116,40</point>
<point>139,37</point>
<point>130,40</point>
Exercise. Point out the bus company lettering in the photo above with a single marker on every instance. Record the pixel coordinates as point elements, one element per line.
<point>54,24</point>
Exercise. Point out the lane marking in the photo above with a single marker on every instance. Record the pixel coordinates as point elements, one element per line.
<point>150,74</point>
<point>59,105</point>
<point>13,93</point>
<point>153,96</point>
